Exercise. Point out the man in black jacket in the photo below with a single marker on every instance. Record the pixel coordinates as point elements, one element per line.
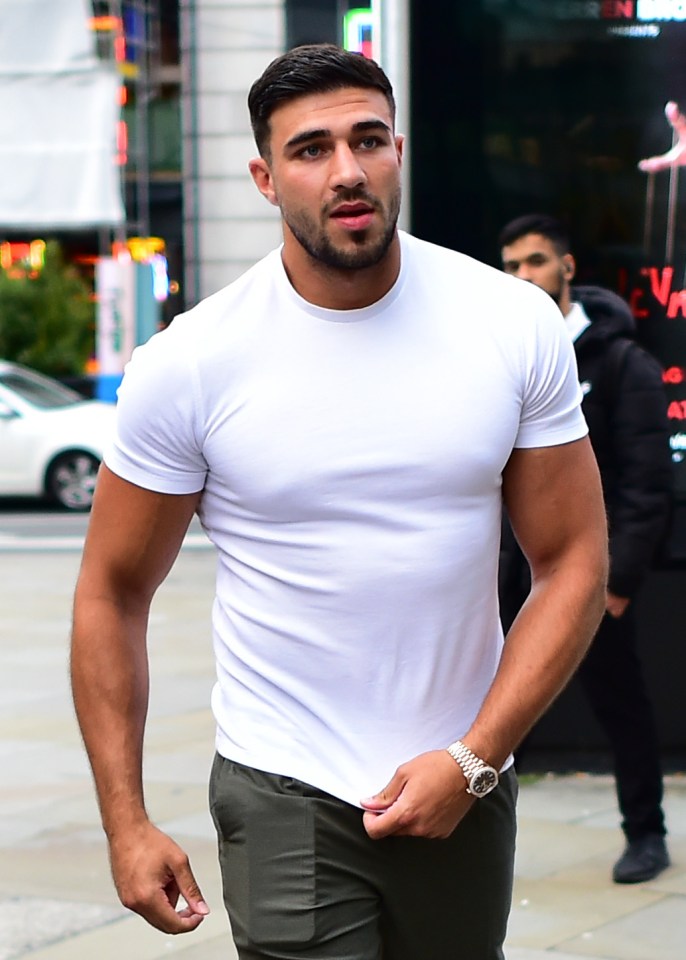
<point>625,408</point>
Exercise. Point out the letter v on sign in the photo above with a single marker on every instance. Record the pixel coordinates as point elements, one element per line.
<point>661,283</point>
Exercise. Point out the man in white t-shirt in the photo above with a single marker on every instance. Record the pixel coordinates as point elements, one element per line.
<point>346,419</point>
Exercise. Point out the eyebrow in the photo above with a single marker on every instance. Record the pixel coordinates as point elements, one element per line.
<point>322,133</point>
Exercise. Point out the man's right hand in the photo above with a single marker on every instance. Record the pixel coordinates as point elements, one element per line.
<point>151,872</point>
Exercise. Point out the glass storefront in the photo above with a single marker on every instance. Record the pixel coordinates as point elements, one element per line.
<point>522,106</point>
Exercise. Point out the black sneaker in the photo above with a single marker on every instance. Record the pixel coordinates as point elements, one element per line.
<point>642,860</point>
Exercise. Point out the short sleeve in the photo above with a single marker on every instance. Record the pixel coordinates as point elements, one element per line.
<point>158,441</point>
<point>551,404</point>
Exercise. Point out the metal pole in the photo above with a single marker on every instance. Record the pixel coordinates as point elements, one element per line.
<point>191,152</point>
<point>393,19</point>
<point>671,212</point>
<point>142,86</point>
<point>650,207</point>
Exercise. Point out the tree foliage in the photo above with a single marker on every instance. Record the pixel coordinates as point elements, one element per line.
<point>47,322</point>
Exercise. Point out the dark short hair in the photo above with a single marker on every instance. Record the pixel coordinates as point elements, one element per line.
<point>312,68</point>
<point>541,223</point>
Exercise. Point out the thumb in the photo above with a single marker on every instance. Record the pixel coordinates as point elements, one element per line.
<point>384,798</point>
<point>190,891</point>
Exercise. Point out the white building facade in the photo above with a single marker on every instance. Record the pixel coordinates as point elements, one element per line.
<point>228,226</point>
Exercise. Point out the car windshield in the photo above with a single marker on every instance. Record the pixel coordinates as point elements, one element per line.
<point>38,390</point>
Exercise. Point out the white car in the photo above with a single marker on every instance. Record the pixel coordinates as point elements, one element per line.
<point>51,438</point>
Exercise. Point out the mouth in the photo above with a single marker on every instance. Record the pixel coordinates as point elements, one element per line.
<point>353,216</point>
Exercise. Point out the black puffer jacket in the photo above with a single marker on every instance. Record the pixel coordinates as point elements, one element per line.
<point>626,410</point>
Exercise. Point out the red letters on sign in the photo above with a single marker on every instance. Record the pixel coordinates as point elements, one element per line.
<point>617,9</point>
<point>673,375</point>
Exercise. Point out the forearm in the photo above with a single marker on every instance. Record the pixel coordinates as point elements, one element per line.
<point>543,648</point>
<point>109,673</point>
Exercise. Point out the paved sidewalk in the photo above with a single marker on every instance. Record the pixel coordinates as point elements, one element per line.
<point>56,897</point>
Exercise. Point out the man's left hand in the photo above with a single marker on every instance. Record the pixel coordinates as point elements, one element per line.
<point>426,797</point>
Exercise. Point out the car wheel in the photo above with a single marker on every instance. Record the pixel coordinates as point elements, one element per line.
<point>70,479</point>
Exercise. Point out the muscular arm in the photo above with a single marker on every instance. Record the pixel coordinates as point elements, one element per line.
<point>555,504</point>
<point>133,539</point>
<point>554,501</point>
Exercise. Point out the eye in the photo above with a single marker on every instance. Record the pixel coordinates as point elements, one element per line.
<point>311,151</point>
<point>368,143</point>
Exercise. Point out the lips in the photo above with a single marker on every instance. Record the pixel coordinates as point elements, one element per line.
<point>353,216</point>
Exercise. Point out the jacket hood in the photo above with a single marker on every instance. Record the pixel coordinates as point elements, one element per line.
<point>610,316</point>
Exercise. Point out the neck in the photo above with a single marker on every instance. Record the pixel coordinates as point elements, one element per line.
<point>336,288</point>
<point>565,301</point>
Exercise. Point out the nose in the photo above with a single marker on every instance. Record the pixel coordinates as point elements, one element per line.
<point>346,170</point>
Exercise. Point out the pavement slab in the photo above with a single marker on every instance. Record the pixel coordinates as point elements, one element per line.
<point>29,923</point>
<point>57,901</point>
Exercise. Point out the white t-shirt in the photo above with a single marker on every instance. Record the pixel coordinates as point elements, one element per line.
<point>350,463</point>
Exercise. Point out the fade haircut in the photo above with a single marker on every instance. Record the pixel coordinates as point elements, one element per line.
<point>312,68</point>
<point>540,223</point>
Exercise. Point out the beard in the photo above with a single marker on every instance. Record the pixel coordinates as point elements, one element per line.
<point>313,238</point>
<point>556,294</point>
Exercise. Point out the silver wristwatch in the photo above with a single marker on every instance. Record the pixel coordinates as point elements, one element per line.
<point>480,776</point>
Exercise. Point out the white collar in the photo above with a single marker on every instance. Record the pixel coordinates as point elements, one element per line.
<point>576,321</point>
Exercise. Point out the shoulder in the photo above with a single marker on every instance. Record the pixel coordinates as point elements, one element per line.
<point>630,361</point>
<point>599,302</point>
<point>217,324</point>
<point>235,301</point>
<point>641,370</point>
<point>472,283</point>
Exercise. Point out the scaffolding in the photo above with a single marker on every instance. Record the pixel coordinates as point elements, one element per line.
<point>128,35</point>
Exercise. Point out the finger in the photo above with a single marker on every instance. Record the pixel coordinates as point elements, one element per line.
<point>390,793</point>
<point>375,804</point>
<point>160,914</point>
<point>181,922</point>
<point>189,889</point>
<point>382,825</point>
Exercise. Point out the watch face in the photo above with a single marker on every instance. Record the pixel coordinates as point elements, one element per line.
<point>483,781</point>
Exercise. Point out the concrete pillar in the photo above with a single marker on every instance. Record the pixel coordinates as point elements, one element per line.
<point>228,226</point>
<point>392,51</point>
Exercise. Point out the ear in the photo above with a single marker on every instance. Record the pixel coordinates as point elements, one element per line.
<point>568,266</point>
<point>399,145</point>
<point>262,175</point>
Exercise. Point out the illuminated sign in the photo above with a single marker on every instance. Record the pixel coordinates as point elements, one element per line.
<point>22,259</point>
<point>659,306</point>
<point>144,249</point>
<point>358,31</point>
<point>148,250</point>
<point>160,277</point>
<point>617,9</point>
<point>579,9</point>
<point>661,10</point>
<point>639,10</point>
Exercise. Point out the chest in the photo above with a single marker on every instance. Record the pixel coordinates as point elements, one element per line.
<point>355,416</point>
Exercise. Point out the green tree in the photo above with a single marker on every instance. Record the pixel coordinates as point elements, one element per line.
<point>48,322</point>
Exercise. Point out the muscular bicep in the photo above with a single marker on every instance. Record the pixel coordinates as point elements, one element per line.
<point>134,536</point>
<point>554,502</point>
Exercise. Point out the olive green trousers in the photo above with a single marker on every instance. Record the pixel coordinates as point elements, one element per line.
<point>303,881</point>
